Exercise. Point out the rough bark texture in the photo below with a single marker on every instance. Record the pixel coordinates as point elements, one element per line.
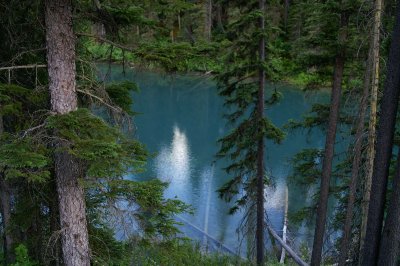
<point>372,120</point>
<point>357,150</point>
<point>60,40</point>
<point>329,146</point>
<point>55,227</point>
<point>260,148</point>
<point>61,67</point>
<point>390,247</point>
<point>387,120</point>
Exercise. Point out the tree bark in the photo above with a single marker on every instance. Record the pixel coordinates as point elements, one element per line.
<point>207,19</point>
<point>329,144</point>
<point>60,40</point>
<point>372,120</point>
<point>390,248</point>
<point>357,151</point>
<point>5,196</point>
<point>261,144</point>
<point>385,134</point>
<point>5,200</point>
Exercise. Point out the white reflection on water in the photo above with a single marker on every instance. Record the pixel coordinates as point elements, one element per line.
<point>207,176</point>
<point>173,162</point>
<point>275,196</point>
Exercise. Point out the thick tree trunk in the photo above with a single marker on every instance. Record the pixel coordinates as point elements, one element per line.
<point>207,19</point>
<point>387,121</point>
<point>61,67</point>
<point>329,146</point>
<point>260,148</point>
<point>357,150</point>
<point>390,247</point>
<point>372,120</point>
<point>54,228</point>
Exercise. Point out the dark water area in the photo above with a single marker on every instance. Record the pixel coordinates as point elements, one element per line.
<point>180,122</point>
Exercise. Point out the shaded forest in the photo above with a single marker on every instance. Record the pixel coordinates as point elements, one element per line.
<point>64,192</point>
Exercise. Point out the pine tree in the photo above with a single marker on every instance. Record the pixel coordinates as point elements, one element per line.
<point>330,142</point>
<point>61,67</point>
<point>385,134</point>
<point>242,84</point>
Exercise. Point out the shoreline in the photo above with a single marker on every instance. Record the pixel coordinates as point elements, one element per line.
<point>196,73</point>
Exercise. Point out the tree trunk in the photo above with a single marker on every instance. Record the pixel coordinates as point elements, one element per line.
<point>329,145</point>
<point>5,197</point>
<point>387,121</point>
<point>389,251</point>
<point>357,151</point>
<point>61,67</point>
<point>54,228</point>
<point>260,148</point>
<point>220,22</point>
<point>207,19</point>
<point>286,13</point>
<point>372,120</point>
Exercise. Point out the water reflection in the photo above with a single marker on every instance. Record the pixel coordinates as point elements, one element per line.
<point>173,162</point>
<point>207,176</point>
<point>186,151</point>
<point>275,196</point>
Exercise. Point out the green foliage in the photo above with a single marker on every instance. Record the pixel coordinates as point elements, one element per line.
<point>178,252</point>
<point>121,96</point>
<point>307,166</point>
<point>22,257</point>
<point>16,102</point>
<point>237,83</point>
<point>105,150</point>
<point>23,158</point>
<point>172,57</point>
<point>154,213</point>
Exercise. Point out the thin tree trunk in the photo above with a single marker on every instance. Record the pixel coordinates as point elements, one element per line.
<point>385,134</point>
<point>208,19</point>
<point>372,120</point>
<point>286,13</point>
<point>260,148</point>
<point>61,67</point>
<point>329,145</point>
<point>285,223</point>
<point>357,150</point>
<point>390,248</point>
<point>5,197</point>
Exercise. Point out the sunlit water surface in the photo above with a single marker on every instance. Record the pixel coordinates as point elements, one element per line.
<point>180,121</point>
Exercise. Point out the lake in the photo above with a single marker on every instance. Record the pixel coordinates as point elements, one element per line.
<point>180,122</point>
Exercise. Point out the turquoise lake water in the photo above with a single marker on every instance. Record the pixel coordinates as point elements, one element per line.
<point>180,121</point>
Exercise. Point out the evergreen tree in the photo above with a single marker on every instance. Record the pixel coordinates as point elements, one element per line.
<point>385,134</point>
<point>242,84</point>
<point>60,39</point>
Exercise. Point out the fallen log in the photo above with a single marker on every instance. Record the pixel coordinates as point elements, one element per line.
<point>289,250</point>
